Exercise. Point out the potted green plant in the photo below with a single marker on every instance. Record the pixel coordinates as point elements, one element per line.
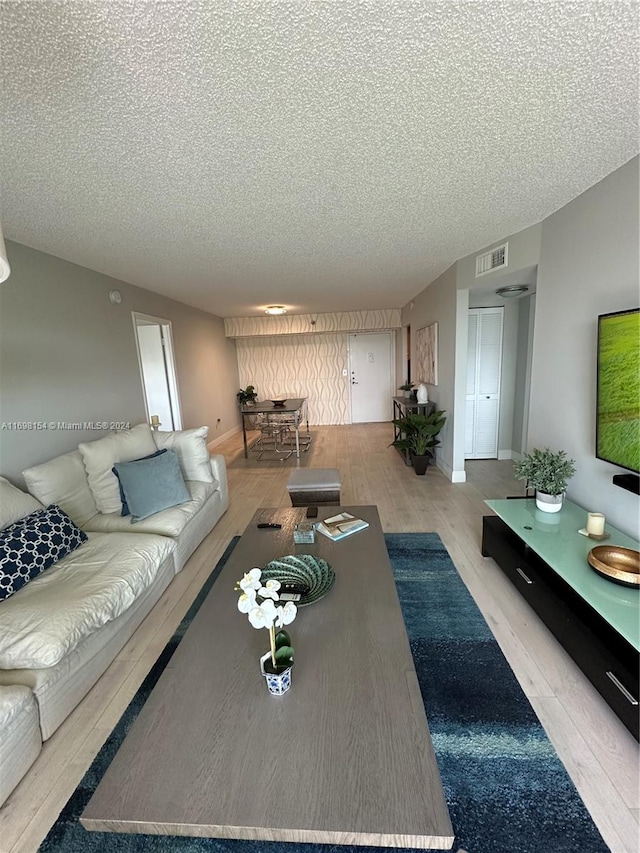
<point>261,604</point>
<point>407,387</point>
<point>420,437</point>
<point>247,396</point>
<point>546,472</point>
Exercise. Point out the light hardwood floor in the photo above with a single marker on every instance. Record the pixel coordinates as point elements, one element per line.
<point>599,753</point>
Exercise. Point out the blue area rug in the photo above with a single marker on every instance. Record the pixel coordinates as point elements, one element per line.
<point>506,789</point>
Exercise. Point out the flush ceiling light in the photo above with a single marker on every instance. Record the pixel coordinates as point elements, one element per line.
<point>512,290</point>
<point>275,309</point>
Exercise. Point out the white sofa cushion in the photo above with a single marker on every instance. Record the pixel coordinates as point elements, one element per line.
<point>63,481</point>
<point>100,456</point>
<point>168,522</point>
<point>191,447</point>
<point>15,504</point>
<point>20,742</point>
<point>46,619</point>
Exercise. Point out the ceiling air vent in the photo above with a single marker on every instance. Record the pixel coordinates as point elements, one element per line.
<point>494,260</point>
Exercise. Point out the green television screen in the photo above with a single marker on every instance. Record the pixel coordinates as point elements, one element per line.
<point>618,408</point>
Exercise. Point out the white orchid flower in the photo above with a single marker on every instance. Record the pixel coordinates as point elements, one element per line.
<point>285,615</point>
<point>270,590</point>
<point>247,600</point>
<point>251,580</point>
<point>263,615</point>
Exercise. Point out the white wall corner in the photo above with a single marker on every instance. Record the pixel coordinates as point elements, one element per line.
<point>450,474</point>
<point>506,454</point>
<point>517,457</point>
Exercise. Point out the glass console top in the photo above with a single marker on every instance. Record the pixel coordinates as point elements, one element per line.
<point>555,538</point>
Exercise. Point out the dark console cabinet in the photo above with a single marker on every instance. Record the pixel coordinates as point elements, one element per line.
<point>608,660</point>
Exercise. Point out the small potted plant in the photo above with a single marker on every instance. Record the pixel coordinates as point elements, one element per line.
<point>260,603</point>
<point>546,472</point>
<point>406,388</point>
<point>247,396</point>
<point>420,437</point>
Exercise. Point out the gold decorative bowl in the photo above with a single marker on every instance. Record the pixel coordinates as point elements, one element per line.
<point>621,565</point>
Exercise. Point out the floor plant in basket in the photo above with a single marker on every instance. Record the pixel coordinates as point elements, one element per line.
<point>261,604</point>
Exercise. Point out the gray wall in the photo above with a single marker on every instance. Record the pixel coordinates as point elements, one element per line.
<point>588,266</point>
<point>68,355</point>
<point>437,304</point>
<point>522,377</point>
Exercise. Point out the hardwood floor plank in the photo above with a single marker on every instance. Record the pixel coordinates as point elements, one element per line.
<point>618,826</point>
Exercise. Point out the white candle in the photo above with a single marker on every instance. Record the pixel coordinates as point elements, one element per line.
<point>595,523</point>
<point>155,420</point>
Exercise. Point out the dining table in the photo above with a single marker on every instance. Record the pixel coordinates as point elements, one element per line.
<point>295,407</point>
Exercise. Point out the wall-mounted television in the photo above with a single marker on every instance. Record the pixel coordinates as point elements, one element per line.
<point>618,403</point>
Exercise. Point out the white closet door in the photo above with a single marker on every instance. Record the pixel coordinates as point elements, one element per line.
<point>484,367</point>
<point>472,369</point>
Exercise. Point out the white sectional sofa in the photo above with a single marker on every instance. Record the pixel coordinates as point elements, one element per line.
<point>62,629</point>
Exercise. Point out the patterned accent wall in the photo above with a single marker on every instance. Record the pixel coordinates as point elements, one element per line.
<point>300,366</point>
<point>300,324</point>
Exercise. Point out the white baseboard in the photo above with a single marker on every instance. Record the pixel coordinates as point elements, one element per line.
<point>453,476</point>
<point>505,454</point>
<point>517,457</point>
<point>224,437</point>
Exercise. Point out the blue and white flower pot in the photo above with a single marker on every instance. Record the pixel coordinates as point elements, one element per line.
<point>277,684</point>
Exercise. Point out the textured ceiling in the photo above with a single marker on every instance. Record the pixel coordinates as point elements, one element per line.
<point>325,155</point>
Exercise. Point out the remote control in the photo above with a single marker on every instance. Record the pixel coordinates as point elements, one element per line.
<point>312,512</point>
<point>269,526</point>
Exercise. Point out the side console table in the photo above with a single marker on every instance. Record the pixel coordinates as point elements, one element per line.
<point>596,620</point>
<point>401,407</point>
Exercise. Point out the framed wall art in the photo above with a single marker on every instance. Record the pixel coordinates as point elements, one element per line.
<point>427,354</point>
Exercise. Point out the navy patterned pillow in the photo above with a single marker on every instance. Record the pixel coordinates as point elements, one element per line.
<point>33,544</point>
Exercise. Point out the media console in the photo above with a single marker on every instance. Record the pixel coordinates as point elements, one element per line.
<point>596,620</point>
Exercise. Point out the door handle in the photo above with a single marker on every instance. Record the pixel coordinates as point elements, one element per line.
<point>622,688</point>
<point>522,575</point>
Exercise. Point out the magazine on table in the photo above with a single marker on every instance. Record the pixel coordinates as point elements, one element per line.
<point>339,526</point>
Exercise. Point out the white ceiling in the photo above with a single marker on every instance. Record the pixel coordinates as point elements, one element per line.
<point>328,156</point>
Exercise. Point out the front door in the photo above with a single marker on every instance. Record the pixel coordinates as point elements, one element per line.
<point>371,377</point>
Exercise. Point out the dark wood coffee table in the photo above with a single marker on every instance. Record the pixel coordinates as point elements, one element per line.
<point>345,757</point>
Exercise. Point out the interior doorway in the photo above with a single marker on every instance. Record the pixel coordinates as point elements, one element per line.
<point>157,370</point>
<point>484,371</point>
<point>371,375</point>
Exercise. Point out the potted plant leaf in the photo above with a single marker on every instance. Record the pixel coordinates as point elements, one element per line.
<point>406,388</point>
<point>420,437</point>
<point>260,603</point>
<point>247,396</point>
<point>546,472</point>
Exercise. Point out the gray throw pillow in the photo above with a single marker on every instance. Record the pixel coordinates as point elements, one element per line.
<point>153,484</point>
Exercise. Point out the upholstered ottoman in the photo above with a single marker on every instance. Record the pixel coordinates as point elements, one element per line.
<point>20,742</point>
<point>314,487</point>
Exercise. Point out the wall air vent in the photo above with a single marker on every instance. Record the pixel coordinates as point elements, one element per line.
<point>496,259</point>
